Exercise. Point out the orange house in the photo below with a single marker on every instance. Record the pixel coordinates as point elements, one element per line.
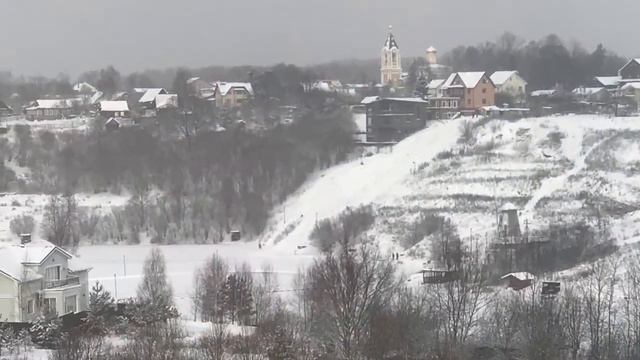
<point>474,89</point>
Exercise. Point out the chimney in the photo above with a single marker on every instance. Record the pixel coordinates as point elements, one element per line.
<point>25,238</point>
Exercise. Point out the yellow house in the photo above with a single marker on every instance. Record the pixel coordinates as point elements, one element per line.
<point>39,278</point>
<point>232,94</point>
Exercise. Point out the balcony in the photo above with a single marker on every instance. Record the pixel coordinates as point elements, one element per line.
<point>69,281</point>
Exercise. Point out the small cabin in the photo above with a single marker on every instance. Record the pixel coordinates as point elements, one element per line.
<point>518,281</point>
<point>236,235</point>
<point>439,276</point>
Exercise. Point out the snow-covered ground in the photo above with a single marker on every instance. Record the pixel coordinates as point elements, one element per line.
<point>14,205</point>
<point>120,268</point>
<point>548,167</point>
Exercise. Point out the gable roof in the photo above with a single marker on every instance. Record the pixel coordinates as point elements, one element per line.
<point>224,87</point>
<point>14,257</point>
<point>119,105</point>
<point>519,275</point>
<point>587,90</point>
<point>632,85</point>
<point>167,101</point>
<point>635,60</point>
<point>150,94</point>
<point>468,80</point>
<point>544,93</point>
<point>436,83</point>
<point>608,80</point>
<point>84,87</point>
<point>53,104</point>
<point>372,99</point>
<point>500,77</point>
<point>4,106</point>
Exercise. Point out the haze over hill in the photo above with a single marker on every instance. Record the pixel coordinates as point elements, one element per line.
<point>78,35</point>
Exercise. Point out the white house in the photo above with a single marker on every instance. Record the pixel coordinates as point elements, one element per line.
<point>118,108</point>
<point>511,83</point>
<point>39,278</point>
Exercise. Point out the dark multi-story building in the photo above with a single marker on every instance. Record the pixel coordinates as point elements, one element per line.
<point>392,119</point>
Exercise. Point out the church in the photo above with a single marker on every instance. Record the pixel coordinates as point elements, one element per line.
<point>391,66</point>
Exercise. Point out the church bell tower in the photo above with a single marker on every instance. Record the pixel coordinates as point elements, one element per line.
<point>390,64</point>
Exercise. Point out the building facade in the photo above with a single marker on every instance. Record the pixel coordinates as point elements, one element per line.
<point>40,279</point>
<point>474,89</point>
<point>393,119</point>
<point>233,94</point>
<point>510,83</point>
<point>390,62</point>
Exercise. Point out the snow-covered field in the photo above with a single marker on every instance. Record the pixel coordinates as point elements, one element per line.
<point>119,268</point>
<point>13,205</point>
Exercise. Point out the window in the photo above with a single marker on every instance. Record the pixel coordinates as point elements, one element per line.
<point>484,91</point>
<point>468,101</point>
<point>49,306</point>
<point>53,273</point>
<point>484,101</point>
<point>30,308</point>
<point>469,91</point>
<point>70,305</point>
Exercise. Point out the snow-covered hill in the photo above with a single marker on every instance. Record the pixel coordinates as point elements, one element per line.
<point>555,167</point>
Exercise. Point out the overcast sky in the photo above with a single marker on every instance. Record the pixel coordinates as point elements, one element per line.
<point>52,36</point>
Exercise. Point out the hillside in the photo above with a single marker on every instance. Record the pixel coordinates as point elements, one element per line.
<point>555,170</point>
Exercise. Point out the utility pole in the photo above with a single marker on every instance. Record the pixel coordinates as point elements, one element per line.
<point>115,281</point>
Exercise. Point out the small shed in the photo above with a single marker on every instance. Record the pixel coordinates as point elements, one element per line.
<point>439,276</point>
<point>550,288</point>
<point>236,235</point>
<point>518,280</point>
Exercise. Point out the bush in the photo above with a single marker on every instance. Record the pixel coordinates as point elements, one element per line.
<point>23,224</point>
<point>348,226</point>
<point>467,133</point>
<point>425,225</point>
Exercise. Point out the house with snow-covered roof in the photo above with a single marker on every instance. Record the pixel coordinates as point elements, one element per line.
<point>474,89</point>
<point>607,82</point>
<point>511,84</point>
<point>148,98</point>
<point>40,279</point>
<point>630,71</point>
<point>232,94</point>
<point>51,109</point>
<point>110,109</point>
<point>590,94</point>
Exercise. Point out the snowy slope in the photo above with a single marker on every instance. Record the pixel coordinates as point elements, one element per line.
<point>550,168</point>
<point>358,182</point>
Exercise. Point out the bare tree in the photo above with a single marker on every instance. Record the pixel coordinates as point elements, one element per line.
<point>345,289</point>
<point>573,321</point>
<point>213,343</point>
<point>598,294</point>
<point>60,220</point>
